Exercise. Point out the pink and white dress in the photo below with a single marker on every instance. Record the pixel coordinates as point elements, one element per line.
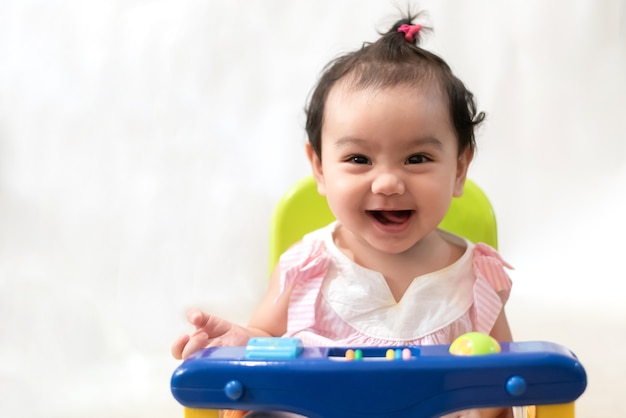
<point>337,302</point>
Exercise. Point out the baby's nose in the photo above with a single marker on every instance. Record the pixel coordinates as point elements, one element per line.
<point>388,183</point>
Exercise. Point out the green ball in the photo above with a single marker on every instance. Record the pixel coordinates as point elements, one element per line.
<point>474,344</point>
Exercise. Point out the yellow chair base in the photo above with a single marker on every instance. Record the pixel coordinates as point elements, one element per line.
<point>564,410</point>
<point>201,413</point>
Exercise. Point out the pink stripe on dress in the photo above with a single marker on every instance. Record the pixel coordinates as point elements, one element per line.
<point>305,279</point>
<point>492,287</point>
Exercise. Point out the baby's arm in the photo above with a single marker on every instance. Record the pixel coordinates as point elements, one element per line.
<point>271,314</point>
<point>501,330</point>
<point>270,319</point>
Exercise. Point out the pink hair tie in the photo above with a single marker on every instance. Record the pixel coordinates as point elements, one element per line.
<point>410,31</point>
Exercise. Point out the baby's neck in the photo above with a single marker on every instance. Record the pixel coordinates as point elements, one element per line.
<point>432,253</point>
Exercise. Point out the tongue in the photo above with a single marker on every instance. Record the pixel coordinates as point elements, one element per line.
<point>393,217</point>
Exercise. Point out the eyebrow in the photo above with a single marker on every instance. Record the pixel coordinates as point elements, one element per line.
<point>422,141</point>
<point>345,141</point>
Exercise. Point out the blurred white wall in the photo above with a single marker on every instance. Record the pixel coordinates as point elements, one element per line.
<point>143,145</point>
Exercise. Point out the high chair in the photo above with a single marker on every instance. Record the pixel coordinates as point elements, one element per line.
<point>301,210</point>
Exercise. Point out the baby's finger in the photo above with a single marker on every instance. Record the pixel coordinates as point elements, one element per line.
<point>198,318</point>
<point>196,342</point>
<point>179,345</point>
<point>217,342</point>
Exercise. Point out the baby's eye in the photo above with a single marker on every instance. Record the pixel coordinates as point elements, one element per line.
<point>417,159</point>
<point>359,159</point>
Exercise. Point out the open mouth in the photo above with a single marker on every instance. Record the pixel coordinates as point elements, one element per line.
<point>391,217</point>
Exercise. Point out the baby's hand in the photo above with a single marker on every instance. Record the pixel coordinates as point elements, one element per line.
<point>209,331</point>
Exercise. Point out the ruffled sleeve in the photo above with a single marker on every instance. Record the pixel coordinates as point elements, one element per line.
<point>492,286</point>
<point>303,268</point>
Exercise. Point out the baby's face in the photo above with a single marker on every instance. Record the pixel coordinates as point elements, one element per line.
<point>390,163</point>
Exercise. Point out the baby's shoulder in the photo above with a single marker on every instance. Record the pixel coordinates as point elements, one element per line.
<point>485,254</point>
<point>310,248</point>
<point>490,269</point>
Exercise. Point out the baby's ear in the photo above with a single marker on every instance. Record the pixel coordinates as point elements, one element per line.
<point>316,168</point>
<point>462,166</point>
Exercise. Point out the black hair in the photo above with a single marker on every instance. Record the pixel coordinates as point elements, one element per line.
<point>389,62</point>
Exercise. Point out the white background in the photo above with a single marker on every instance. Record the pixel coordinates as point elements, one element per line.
<point>143,145</point>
